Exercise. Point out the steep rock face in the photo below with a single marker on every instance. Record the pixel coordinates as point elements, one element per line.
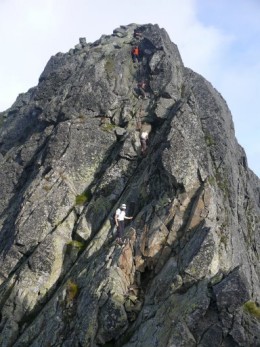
<point>188,272</point>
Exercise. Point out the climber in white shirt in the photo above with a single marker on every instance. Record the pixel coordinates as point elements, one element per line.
<point>119,219</point>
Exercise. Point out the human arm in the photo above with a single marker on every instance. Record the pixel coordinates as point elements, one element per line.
<point>116,219</point>
<point>128,217</point>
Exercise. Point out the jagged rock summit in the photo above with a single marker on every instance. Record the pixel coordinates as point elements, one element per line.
<point>188,271</point>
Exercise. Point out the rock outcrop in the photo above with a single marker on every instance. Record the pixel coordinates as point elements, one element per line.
<point>188,271</point>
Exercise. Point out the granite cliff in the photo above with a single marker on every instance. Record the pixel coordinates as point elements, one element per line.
<point>188,272</point>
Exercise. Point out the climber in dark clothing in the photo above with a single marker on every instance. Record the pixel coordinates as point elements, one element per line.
<point>142,86</point>
<point>138,35</point>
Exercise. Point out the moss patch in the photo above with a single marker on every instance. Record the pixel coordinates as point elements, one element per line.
<point>82,198</point>
<point>72,290</point>
<point>209,140</point>
<point>76,244</point>
<point>252,308</point>
<point>108,127</point>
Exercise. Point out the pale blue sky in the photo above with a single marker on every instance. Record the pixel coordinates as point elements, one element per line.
<point>217,38</point>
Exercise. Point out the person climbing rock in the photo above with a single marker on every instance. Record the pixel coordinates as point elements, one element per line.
<point>135,54</point>
<point>141,86</point>
<point>143,140</point>
<point>138,35</point>
<point>119,220</point>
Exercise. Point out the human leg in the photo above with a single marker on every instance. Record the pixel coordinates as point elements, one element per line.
<point>143,145</point>
<point>142,92</point>
<point>120,229</point>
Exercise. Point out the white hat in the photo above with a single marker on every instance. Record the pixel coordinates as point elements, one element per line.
<point>123,206</point>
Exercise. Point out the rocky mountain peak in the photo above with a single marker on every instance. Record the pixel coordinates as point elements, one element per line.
<point>186,270</point>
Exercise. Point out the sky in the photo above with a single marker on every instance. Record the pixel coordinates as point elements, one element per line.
<point>219,39</point>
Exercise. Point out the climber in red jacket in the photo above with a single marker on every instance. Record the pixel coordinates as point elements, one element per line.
<point>135,54</point>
